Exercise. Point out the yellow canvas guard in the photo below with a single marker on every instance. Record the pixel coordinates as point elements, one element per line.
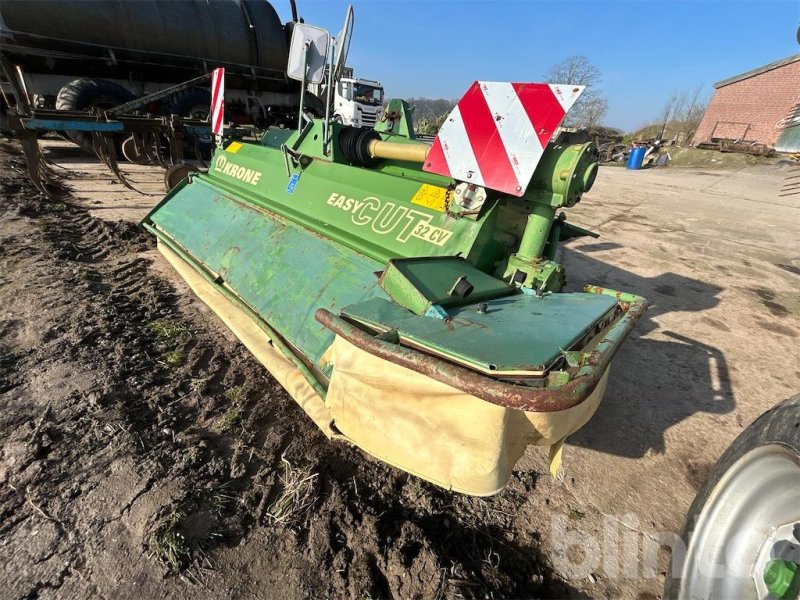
<point>436,431</point>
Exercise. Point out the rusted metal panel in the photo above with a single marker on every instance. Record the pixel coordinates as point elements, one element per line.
<point>512,336</point>
<point>550,398</point>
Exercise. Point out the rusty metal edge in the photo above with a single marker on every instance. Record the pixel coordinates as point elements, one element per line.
<point>547,399</point>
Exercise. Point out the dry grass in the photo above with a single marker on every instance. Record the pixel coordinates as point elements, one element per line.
<point>168,542</point>
<point>712,159</point>
<point>218,498</point>
<point>90,275</point>
<point>175,358</point>
<point>169,333</point>
<point>234,416</point>
<point>298,493</point>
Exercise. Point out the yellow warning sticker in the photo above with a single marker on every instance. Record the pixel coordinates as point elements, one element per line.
<point>431,196</point>
<point>233,147</point>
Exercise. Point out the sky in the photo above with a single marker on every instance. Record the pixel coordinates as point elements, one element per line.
<point>646,50</point>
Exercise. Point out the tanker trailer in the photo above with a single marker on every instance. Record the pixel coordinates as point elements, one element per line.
<point>77,55</point>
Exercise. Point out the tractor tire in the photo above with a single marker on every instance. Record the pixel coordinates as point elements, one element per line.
<point>82,94</point>
<point>193,102</point>
<point>746,517</point>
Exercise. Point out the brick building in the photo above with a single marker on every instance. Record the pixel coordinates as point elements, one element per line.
<point>753,106</point>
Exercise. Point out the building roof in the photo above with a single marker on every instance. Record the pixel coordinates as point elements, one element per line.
<point>773,65</point>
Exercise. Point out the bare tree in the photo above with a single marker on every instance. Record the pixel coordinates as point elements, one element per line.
<point>670,111</point>
<point>594,111</point>
<point>591,107</point>
<point>576,70</point>
<point>429,113</point>
<point>681,114</point>
<point>694,109</point>
<point>430,108</point>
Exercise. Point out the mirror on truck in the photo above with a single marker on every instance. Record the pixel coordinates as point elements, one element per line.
<point>346,90</point>
<point>307,52</point>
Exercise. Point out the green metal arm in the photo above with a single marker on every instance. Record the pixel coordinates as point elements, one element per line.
<point>544,399</point>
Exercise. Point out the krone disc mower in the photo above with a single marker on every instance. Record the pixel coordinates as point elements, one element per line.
<point>405,294</point>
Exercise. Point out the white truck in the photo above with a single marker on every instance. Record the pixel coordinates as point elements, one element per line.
<point>357,102</point>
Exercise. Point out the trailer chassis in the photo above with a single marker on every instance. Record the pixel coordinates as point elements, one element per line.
<point>155,139</point>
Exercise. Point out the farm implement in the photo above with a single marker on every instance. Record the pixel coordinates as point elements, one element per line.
<point>141,97</point>
<point>406,294</point>
<point>114,134</point>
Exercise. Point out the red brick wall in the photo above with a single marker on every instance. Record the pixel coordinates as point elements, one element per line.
<point>763,101</point>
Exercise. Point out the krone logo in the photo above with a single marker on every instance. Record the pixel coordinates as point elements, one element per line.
<point>224,166</point>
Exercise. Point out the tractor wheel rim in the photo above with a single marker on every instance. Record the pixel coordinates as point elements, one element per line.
<point>751,517</point>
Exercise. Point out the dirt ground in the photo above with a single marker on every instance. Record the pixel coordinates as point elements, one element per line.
<point>145,454</point>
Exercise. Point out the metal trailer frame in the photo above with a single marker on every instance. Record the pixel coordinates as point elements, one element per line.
<point>150,134</point>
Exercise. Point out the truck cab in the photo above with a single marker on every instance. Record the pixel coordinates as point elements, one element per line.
<point>358,102</point>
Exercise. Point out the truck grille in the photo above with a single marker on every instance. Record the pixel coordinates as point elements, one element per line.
<point>368,119</point>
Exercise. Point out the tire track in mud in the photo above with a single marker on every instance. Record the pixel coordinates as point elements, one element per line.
<point>153,421</point>
<point>99,301</point>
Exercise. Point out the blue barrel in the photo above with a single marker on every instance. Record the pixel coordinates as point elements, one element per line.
<point>636,158</point>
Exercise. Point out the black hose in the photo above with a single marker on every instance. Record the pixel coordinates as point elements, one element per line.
<point>294,10</point>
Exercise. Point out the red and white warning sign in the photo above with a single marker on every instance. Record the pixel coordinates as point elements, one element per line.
<point>217,101</point>
<point>496,134</point>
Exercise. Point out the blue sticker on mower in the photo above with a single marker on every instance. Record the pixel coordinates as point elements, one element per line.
<point>292,183</point>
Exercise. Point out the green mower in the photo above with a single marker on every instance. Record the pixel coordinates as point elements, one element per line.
<point>404,293</point>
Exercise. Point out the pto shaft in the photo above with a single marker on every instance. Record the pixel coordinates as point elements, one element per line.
<point>398,151</point>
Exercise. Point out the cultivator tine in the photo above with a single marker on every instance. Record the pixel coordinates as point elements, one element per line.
<point>153,149</point>
<point>175,139</point>
<point>133,149</point>
<point>147,148</point>
<point>174,153</point>
<point>140,145</point>
<point>42,175</point>
<point>144,146</point>
<point>34,159</point>
<point>105,148</point>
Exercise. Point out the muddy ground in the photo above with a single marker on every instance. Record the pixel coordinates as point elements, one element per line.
<point>143,449</point>
<point>145,454</point>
